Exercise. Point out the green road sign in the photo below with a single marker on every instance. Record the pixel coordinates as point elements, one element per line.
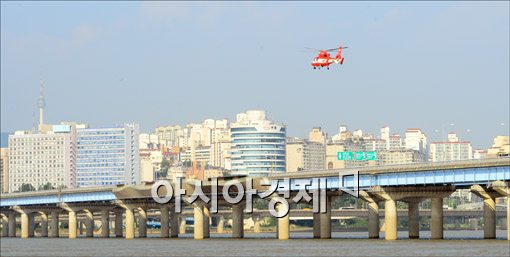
<point>366,156</point>
<point>361,156</point>
<point>371,156</point>
<point>358,156</point>
<point>345,156</point>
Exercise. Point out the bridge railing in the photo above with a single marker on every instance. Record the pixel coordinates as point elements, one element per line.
<point>418,166</point>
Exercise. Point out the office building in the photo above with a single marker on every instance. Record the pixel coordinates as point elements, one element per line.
<point>108,156</point>
<point>257,145</point>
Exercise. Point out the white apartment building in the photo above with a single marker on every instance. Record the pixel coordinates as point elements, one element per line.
<point>169,135</point>
<point>416,140</point>
<point>40,158</point>
<point>4,169</point>
<point>385,135</point>
<point>451,150</point>
<point>374,144</point>
<point>202,155</point>
<point>395,142</point>
<point>399,156</point>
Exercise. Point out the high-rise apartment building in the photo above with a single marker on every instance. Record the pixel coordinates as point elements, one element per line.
<point>220,153</point>
<point>399,156</point>
<point>416,140</point>
<point>4,169</point>
<point>257,145</point>
<point>385,135</point>
<point>451,150</point>
<point>396,142</point>
<point>202,155</point>
<point>108,156</point>
<point>302,154</point>
<point>169,135</point>
<point>41,158</point>
<point>374,144</point>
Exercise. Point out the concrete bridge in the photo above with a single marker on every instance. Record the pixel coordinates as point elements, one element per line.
<point>488,179</point>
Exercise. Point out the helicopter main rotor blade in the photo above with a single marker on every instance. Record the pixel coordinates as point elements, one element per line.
<point>309,48</point>
<point>334,49</point>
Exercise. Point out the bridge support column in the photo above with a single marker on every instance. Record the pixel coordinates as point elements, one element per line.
<point>373,214</point>
<point>24,225</point>
<point>54,224</point>
<point>12,224</point>
<point>390,219</point>
<point>105,223</point>
<point>284,226</point>
<point>316,225</point>
<point>198,222</point>
<point>130,223</point>
<point>497,189</point>
<point>182,225</point>
<point>221,223</point>
<point>80,227</point>
<point>31,224</point>
<point>238,221</point>
<point>89,224</point>
<point>411,194</point>
<point>413,219</point>
<point>118,224</point>
<point>207,221</point>
<point>142,223</point>
<point>164,222</point>
<point>72,224</point>
<point>436,219</point>
<point>174,223</point>
<point>44,224</point>
<point>489,218</point>
<point>373,220</point>
<point>5,226</point>
<point>503,189</point>
<point>325,222</point>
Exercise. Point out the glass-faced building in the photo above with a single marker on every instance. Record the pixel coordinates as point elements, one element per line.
<point>107,156</point>
<point>257,145</point>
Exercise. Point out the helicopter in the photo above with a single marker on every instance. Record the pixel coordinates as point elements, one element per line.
<point>324,59</point>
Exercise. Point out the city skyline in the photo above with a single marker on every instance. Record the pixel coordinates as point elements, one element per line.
<point>157,64</point>
<point>438,135</point>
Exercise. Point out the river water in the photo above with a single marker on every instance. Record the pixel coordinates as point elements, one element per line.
<point>457,243</point>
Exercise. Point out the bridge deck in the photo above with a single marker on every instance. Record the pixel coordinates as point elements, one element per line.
<point>459,174</point>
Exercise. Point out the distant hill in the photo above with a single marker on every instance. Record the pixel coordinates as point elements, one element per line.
<point>4,139</point>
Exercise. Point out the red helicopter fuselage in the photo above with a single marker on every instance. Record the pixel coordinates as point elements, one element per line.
<point>324,59</point>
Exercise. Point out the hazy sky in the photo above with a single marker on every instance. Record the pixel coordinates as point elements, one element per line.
<point>410,64</point>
